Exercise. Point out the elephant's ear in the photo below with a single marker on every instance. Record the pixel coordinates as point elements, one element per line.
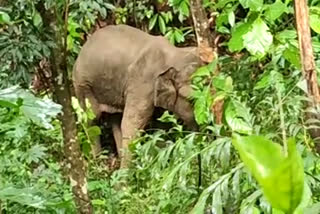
<point>165,94</point>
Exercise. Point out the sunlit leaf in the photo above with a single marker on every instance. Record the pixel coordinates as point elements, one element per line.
<point>4,18</point>
<point>258,40</point>
<point>37,20</point>
<point>231,18</point>
<point>275,10</point>
<point>315,22</point>
<point>292,55</point>
<point>40,111</point>
<point>236,41</point>
<point>281,177</point>
<point>254,5</point>
<point>237,117</point>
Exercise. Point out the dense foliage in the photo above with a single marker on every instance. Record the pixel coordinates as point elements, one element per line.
<point>174,171</point>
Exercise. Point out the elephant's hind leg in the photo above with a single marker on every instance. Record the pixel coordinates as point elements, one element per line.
<point>116,130</point>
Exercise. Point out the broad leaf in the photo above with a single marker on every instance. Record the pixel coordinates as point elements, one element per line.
<point>40,111</point>
<point>281,177</point>
<point>315,22</point>
<point>37,20</point>
<point>236,41</point>
<point>275,10</point>
<point>292,55</point>
<point>258,40</point>
<point>4,18</point>
<point>238,117</point>
<point>254,5</point>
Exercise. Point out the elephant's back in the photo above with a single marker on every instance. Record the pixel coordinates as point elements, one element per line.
<point>104,60</point>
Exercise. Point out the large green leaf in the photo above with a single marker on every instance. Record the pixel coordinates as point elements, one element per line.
<point>237,117</point>
<point>275,10</point>
<point>254,5</point>
<point>281,177</point>
<point>40,111</point>
<point>4,18</point>
<point>258,40</point>
<point>236,41</point>
<point>291,54</point>
<point>315,22</point>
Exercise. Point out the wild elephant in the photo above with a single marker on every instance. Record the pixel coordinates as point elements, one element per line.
<point>121,69</point>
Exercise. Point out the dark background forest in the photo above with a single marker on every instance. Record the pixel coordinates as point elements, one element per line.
<point>253,85</point>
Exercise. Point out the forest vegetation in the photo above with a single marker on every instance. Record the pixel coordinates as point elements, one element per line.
<point>255,99</point>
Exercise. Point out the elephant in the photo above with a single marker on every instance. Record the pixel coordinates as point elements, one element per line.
<point>121,69</point>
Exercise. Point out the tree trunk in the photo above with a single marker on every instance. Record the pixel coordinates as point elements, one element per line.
<point>201,26</point>
<point>207,51</point>
<point>75,163</point>
<point>308,63</point>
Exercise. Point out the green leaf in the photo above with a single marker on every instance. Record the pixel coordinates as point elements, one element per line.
<point>94,131</point>
<point>25,196</point>
<point>280,177</point>
<point>184,8</point>
<point>231,18</point>
<point>40,111</point>
<point>258,40</point>
<point>275,10</point>
<point>286,35</point>
<point>254,5</point>
<point>305,201</point>
<point>223,83</point>
<point>178,36</point>
<point>162,25</point>
<point>236,41</point>
<point>315,22</point>
<point>238,117</point>
<point>153,21</point>
<point>292,55</point>
<point>202,107</point>
<point>4,103</point>
<point>37,20</point>
<point>315,208</point>
<point>205,71</point>
<point>4,18</point>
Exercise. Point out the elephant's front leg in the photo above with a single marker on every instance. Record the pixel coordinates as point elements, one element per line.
<point>135,117</point>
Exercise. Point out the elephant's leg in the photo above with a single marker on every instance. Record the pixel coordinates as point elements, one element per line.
<point>135,117</point>
<point>116,130</point>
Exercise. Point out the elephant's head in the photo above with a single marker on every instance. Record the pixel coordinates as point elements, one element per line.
<point>173,88</point>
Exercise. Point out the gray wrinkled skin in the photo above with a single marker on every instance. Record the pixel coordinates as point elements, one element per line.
<point>122,69</point>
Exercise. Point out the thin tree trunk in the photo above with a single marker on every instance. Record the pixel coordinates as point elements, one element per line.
<point>203,34</point>
<point>205,41</point>
<point>307,62</point>
<point>75,163</point>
